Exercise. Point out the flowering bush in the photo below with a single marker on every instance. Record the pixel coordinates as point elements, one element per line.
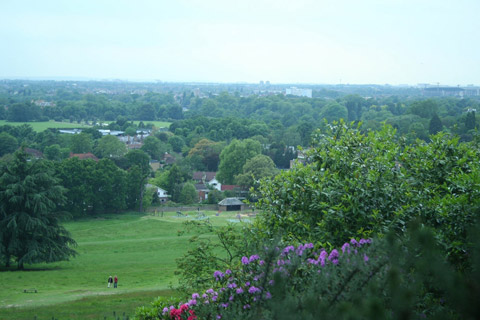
<point>245,292</point>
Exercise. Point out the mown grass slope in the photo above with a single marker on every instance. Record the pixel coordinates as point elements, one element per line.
<point>140,249</point>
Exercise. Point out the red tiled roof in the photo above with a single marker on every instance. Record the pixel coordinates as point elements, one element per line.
<point>209,175</point>
<point>83,156</point>
<point>226,187</point>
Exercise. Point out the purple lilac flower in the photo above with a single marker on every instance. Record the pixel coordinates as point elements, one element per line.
<point>280,262</point>
<point>219,316</point>
<point>171,308</point>
<point>247,306</point>
<point>253,290</point>
<point>231,298</point>
<point>268,295</point>
<point>288,249</point>
<point>365,257</point>
<point>165,310</point>
<point>239,291</point>
<point>225,305</point>
<point>354,242</point>
<point>210,291</point>
<point>261,262</point>
<point>214,298</point>
<point>333,255</point>
<point>232,285</point>
<point>346,247</point>
<point>195,296</point>
<point>247,283</point>
<point>192,302</point>
<point>204,296</point>
<point>206,302</point>
<point>253,258</point>
<point>218,275</point>
<point>245,260</point>
<point>308,246</point>
<point>228,271</point>
<point>271,282</point>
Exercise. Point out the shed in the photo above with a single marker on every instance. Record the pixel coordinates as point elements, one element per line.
<point>231,204</point>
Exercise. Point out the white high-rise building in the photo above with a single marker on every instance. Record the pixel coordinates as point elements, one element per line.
<point>299,92</point>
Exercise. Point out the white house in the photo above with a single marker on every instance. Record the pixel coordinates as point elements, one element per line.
<point>162,194</point>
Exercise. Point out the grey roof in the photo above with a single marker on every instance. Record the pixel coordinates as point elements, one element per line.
<point>230,202</point>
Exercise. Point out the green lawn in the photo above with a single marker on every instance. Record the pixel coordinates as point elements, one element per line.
<point>41,126</point>
<point>158,124</point>
<point>140,249</point>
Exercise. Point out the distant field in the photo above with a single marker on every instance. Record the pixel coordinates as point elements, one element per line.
<point>41,126</point>
<point>141,249</point>
<point>158,124</point>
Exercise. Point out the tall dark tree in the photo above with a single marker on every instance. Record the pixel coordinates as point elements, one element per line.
<point>30,230</point>
<point>435,125</point>
<point>138,172</point>
<point>470,121</point>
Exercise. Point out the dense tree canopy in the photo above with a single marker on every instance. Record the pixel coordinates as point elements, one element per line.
<point>30,229</point>
<point>233,158</point>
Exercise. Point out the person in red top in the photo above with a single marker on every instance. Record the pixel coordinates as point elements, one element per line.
<point>115,281</point>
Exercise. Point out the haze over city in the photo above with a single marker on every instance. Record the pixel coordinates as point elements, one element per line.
<point>323,41</point>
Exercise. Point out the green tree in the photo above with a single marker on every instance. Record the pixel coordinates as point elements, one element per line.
<point>256,168</point>
<point>334,111</point>
<point>52,152</point>
<point>188,195</point>
<point>435,125</point>
<point>154,147</point>
<point>8,143</point>
<point>110,147</point>
<point>470,121</point>
<point>234,157</point>
<point>138,173</point>
<point>81,143</point>
<point>30,230</point>
<point>176,143</point>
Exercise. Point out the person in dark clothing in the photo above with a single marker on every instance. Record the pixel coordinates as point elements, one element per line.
<point>115,281</point>
<point>109,281</point>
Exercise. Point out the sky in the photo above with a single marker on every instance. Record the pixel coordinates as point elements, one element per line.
<point>298,41</point>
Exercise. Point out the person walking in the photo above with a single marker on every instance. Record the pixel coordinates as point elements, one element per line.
<point>115,281</point>
<point>109,281</point>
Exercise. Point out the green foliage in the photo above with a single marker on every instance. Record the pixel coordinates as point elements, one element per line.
<point>8,143</point>
<point>110,147</point>
<point>256,168</point>
<point>30,231</point>
<point>233,158</point>
<point>435,125</point>
<point>188,195</point>
<point>361,184</point>
<point>81,143</point>
<point>154,147</point>
<point>220,252</point>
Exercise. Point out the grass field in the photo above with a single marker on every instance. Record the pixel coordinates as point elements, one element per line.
<point>41,126</point>
<point>140,249</point>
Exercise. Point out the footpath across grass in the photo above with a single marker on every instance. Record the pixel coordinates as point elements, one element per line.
<point>139,248</point>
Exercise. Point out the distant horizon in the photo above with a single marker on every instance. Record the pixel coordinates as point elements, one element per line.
<point>157,81</point>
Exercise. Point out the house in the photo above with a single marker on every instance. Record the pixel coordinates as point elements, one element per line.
<point>202,191</point>
<point>84,156</point>
<point>207,178</point>
<point>231,204</point>
<point>168,158</point>
<point>161,193</point>
<point>34,153</point>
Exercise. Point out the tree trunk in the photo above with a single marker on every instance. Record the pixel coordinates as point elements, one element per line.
<point>20,265</point>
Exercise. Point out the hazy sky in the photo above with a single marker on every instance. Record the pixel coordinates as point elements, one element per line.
<point>297,41</point>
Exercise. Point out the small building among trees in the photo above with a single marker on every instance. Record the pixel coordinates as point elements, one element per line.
<point>231,204</point>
